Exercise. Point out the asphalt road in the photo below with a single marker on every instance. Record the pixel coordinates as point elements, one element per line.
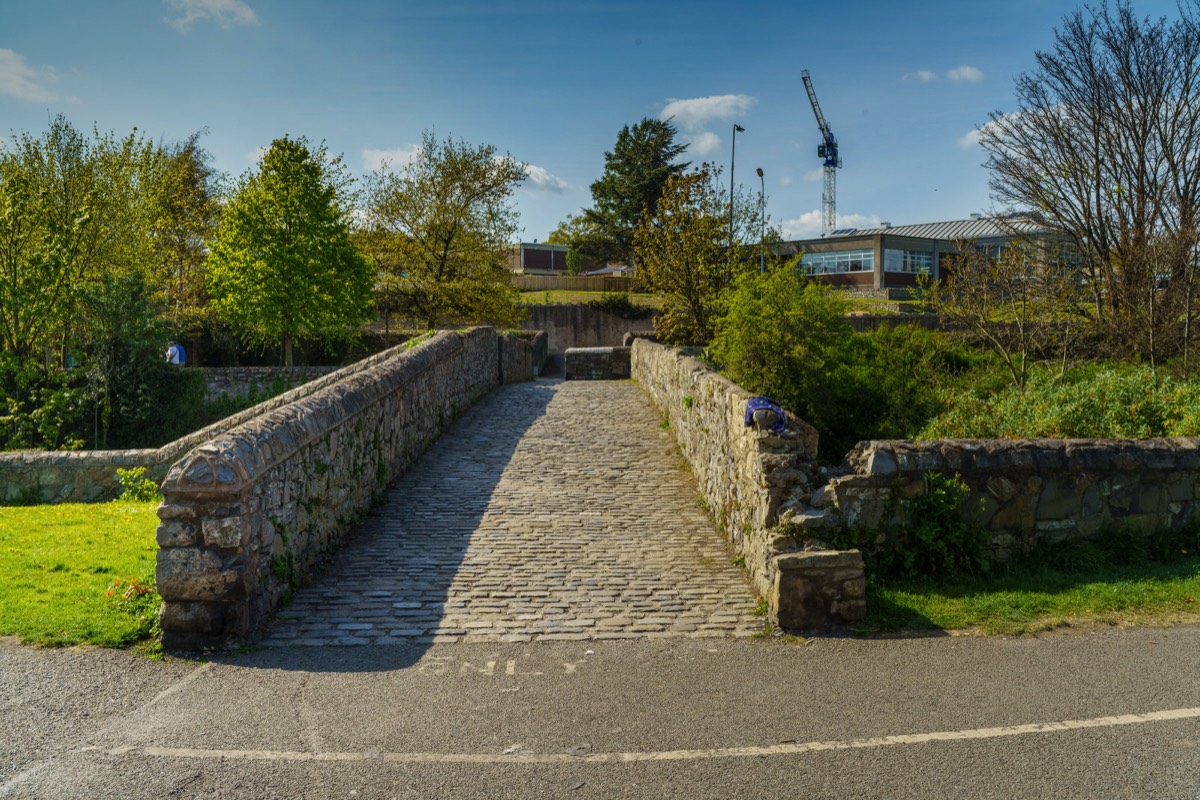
<point>1105,714</point>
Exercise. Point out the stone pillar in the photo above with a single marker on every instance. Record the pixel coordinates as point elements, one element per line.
<point>207,559</point>
<point>816,588</point>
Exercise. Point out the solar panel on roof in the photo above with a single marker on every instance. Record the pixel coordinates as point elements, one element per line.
<point>842,231</point>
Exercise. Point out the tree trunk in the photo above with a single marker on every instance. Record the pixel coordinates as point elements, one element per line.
<point>287,350</point>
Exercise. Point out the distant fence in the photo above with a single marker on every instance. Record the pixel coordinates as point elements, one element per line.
<point>570,283</point>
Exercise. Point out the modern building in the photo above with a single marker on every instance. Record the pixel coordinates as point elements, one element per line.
<point>532,258</point>
<point>890,257</point>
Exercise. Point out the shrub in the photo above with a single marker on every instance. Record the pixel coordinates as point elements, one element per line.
<point>619,304</point>
<point>43,410</point>
<point>935,539</point>
<point>789,339</point>
<point>1096,400</point>
<point>136,487</point>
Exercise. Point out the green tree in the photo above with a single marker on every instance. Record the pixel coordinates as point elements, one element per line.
<point>1104,145</point>
<point>37,262</point>
<point>1020,303</point>
<point>627,194</point>
<point>685,255</point>
<point>282,263</point>
<point>440,231</point>
<point>580,236</point>
<point>187,211</point>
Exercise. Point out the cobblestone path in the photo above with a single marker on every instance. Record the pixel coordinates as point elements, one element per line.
<point>551,510</point>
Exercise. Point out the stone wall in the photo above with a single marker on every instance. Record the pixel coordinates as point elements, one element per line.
<point>596,363</point>
<point>757,484</point>
<point>242,381</point>
<point>1029,490</point>
<point>89,476</point>
<point>249,513</point>
<point>522,356</point>
<point>581,325</point>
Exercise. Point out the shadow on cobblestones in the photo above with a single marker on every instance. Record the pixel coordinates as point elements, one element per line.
<point>552,511</point>
<point>389,584</point>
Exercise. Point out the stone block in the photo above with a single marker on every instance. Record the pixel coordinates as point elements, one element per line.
<point>177,533</point>
<point>188,573</point>
<point>193,618</point>
<point>818,589</point>
<point>226,533</point>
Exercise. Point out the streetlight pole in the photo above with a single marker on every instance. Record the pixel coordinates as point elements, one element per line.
<point>762,224</point>
<point>733,152</point>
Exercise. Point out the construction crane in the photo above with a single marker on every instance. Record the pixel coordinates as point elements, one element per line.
<point>827,150</point>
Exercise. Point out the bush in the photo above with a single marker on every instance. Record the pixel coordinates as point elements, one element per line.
<point>136,487</point>
<point>789,339</point>
<point>619,304</point>
<point>1097,400</point>
<point>43,410</point>
<point>936,539</point>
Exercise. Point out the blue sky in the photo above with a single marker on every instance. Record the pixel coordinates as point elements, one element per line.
<point>903,85</point>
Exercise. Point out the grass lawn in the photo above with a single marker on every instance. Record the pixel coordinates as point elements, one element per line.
<point>58,563</point>
<point>563,296</point>
<point>1151,594</point>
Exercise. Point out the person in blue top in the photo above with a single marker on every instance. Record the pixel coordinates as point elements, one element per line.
<point>176,354</point>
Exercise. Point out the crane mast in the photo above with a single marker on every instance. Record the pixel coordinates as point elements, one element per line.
<point>828,150</point>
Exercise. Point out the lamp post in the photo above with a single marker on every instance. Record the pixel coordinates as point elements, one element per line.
<point>732,153</point>
<point>762,224</point>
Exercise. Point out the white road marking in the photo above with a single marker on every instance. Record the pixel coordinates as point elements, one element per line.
<point>784,749</point>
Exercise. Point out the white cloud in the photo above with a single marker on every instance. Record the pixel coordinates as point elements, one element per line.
<point>255,155</point>
<point>23,81</point>
<point>786,180</point>
<point>965,73</point>
<point>969,139</point>
<point>814,175</point>
<point>808,224</point>
<point>696,113</point>
<point>392,159</point>
<point>704,142</point>
<point>541,180</point>
<point>225,13</point>
<point>922,75</point>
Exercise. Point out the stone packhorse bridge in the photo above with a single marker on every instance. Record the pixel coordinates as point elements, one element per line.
<point>551,510</point>
<point>577,509</point>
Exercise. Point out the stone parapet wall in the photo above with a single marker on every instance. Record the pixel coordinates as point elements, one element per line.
<point>247,514</point>
<point>748,477</point>
<point>88,476</point>
<point>581,325</point>
<point>242,381</point>
<point>522,356</point>
<point>1029,490</point>
<point>597,363</point>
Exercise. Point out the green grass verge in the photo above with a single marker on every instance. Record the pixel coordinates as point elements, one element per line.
<point>66,572</point>
<point>563,296</point>
<point>1151,594</point>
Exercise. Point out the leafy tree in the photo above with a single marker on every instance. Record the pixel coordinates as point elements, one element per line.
<point>1105,145</point>
<point>1020,303</point>
<point>187,211</point>
<point>685,254</point>
<point>627,194</point>
<point>282,262</point>
<point>440,230</point>
<point>37,261</point>
<point>580,236</point>
<point>788,337</point>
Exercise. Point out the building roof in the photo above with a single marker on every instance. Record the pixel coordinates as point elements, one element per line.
<point>975,228</point>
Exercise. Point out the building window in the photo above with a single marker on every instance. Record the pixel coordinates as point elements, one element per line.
<point>919,262</point>
<point>838,262</point>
